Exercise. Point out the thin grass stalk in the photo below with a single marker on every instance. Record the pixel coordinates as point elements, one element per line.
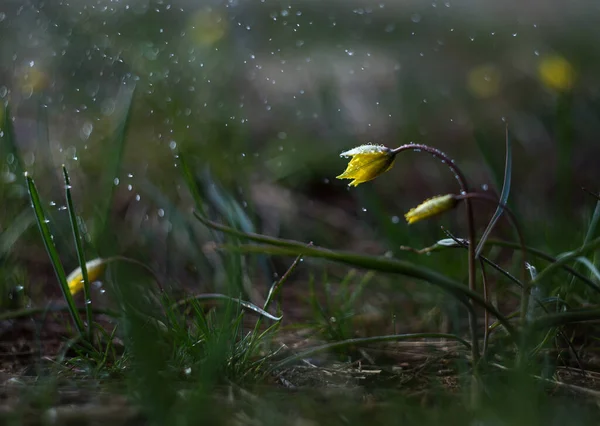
<point>87,295</point>
<point>53,254</point>
<point>486,314</point>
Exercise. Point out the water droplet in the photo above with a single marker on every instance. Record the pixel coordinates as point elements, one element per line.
<point>161,213</point>
<point>395,219</point>
<point>86,130</point>
<point>172,145</point>
<point>3,91</point>
<point>116,181</point>
<point>484,187</point>
<point>364,209</point>
<point>416,18</point>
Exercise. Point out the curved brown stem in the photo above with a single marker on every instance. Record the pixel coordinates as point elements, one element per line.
<point>464,189</point>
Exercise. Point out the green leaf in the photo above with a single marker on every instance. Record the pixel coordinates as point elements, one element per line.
<point>293,248</point>
<point>503,197</point>
<point>53,253</point>
<point>80,254</point>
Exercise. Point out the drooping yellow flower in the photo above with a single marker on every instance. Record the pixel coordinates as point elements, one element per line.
<point>431,207</point>
<point>368,162</point>
<point>556,73</point>
<point>94,269</point>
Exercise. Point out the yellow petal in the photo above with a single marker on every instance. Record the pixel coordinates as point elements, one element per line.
<point>431,207</point>
<point>94,269</point>
<point>368,162</point>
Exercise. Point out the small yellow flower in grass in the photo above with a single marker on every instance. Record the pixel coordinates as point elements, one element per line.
<point>556,73</point>
<point>94,269</point>
<point>368,162</point>
<point>431,207</point>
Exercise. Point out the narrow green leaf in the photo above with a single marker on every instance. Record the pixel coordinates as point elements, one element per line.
<point>80,255</point>
<point>503,197</point>
<point>589,265</point>
<point>515,246</point>
<point>115,149</point>
<point>384,264</point>
<point>53,254</point>
<point>566,258</point>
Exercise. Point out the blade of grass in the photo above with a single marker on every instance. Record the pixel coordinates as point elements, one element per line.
<point>53,254</point>
<point>590,234</point>
<point>450,243</point>
<point>563,260</point>
<point>384,264</point>
<point>276,287</point>
<point>503,197</point>
<point>80,256</point>
<point>590,266</point>
<point>115,151</point>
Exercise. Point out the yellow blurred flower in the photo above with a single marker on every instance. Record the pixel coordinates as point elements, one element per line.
<point>431,207</point>
<point>556,73</point>
<point>32,79</point>
<point>95,268</point>
<point>207,26</point>
<point>368,162</point>
<point>484,81</point>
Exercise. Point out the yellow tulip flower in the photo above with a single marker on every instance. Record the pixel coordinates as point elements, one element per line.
<point>368,162</point>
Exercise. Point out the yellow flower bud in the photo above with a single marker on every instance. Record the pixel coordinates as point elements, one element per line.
<point>368,162</point>
<point>94,269</point>
<point>431,207</point>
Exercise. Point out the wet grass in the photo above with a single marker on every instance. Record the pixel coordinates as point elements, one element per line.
<point>368,338</point>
